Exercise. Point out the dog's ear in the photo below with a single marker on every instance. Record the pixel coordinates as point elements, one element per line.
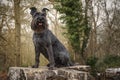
<point>33,10</point>
<point>44,11</point>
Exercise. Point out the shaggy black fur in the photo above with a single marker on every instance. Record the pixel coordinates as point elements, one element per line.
<point>46,43</point>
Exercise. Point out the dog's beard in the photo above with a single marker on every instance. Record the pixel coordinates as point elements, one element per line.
<point>40,26</point>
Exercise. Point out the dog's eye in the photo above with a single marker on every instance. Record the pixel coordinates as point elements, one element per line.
<point>36,14</point>
<point>42,14</point>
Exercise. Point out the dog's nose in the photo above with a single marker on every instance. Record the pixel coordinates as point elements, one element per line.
<point>39,18</point>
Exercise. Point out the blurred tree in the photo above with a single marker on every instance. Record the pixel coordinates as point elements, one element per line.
<point>76,25</point>
<point>111,28</point>
<point>17,30</point>
<point>6,36</point>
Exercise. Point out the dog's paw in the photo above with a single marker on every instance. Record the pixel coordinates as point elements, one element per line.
<point>34,66</point>
<point>51,68</point>
<point>48,65</point>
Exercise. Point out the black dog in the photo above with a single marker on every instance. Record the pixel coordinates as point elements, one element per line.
<point>46,43</point>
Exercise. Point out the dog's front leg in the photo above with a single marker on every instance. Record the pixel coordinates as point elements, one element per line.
<point>37,55</point>
<point>51,56</point>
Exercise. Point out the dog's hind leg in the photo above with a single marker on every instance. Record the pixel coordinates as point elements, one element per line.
<point>65,60</point>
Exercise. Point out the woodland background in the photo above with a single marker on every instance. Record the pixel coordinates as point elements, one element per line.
<point>90,30</point>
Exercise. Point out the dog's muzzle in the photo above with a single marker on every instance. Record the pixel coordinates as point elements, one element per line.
<point>39,22</point>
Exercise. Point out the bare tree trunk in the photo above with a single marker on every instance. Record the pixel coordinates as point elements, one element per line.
<point>17,30</point>
<point>109,28</point>
<point>1,24</point>
<point>93,31</point>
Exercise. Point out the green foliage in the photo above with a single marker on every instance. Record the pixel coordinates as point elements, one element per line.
<point>92,62</point>
<point>108,61</point>
<point>112,60</point>
<point>72,16</point>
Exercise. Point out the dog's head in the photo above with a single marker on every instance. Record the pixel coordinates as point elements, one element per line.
<point>39,21</point>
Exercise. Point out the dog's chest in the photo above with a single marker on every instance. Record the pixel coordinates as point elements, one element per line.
<point>41,39</point>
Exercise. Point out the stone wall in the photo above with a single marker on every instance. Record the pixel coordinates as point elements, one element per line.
<point>42,73</point>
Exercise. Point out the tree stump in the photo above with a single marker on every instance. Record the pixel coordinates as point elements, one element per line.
<point>43,73</point>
